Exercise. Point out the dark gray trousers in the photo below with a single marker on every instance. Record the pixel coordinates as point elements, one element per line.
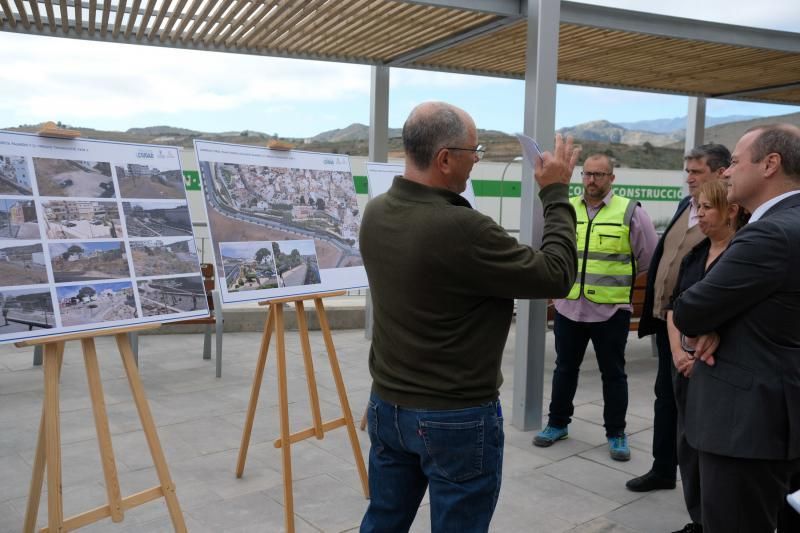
<point>743,495</point>
<point>688,460</point>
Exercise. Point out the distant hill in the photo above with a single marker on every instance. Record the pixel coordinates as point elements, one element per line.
<point>353,132</point>
<point>162,130</point>
<point>669,125</point>
<point>605,131</point>
<point>728,134</point>
<point>633,148</point>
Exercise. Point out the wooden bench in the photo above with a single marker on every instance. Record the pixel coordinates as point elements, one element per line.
<point>214,319</point>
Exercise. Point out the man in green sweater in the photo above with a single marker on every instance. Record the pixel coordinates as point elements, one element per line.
<point>443,278</point>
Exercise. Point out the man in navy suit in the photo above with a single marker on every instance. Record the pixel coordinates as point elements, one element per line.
<point>743,321</point>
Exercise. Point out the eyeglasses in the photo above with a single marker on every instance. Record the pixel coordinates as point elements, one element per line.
<point>480,151</point>
<point>595,175</point>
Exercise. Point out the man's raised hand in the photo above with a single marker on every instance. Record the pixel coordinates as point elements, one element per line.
<point>558,166</point>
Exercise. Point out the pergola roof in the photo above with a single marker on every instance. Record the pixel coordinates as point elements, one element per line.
<point>598,46</point>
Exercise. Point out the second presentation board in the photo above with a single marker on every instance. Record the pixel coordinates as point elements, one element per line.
<point>283,223</point>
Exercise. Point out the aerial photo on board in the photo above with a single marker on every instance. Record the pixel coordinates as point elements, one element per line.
<point>88,260</point>
<point>172,295</point>
<point>96,302</point>
<point>159,257</point>
<point>82,219</point>
<point>18,219</point>
<point>248,266</point>
<point>22,264</point>
<point>296,262</point>
<point>25,310</point>
<point>257,203</point>
<point>144,181</point>
<point>157,219</point>
<point>14,175</point>
<point>67,177</point>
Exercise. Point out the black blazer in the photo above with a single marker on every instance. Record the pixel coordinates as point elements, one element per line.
<point>648,323</point>
<point>748,404</point>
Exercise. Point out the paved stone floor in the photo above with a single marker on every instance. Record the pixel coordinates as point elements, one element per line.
<point>572,486</point>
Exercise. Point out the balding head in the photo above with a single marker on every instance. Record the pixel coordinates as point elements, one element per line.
<point>430,127</point>
<point>781,139</point>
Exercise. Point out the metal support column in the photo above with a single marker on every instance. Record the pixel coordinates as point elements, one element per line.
<point>378,146</point>
<point>695,122</point>
<point>539,122</point>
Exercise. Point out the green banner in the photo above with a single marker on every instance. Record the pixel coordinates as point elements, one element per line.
<point>362,187</point>
<point>641,193</point>
<point>192,180</point>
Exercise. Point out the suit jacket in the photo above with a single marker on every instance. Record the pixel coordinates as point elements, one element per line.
<point>647,322</point>
<point>748,404</point>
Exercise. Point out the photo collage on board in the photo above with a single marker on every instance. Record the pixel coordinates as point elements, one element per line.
<point>93,234</point>
<point>281,223</point>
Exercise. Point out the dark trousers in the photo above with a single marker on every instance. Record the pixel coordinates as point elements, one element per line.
<point>688,458</point>
<point>665,459</point>
<point>609,339</point>
<point>743,495</point>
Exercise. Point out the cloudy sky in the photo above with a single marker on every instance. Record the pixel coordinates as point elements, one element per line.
<point>116,86</point>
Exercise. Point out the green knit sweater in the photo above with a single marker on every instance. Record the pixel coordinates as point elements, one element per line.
<point>443,278</point>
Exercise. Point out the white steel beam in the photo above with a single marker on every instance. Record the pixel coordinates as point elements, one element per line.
<point>378,147</point>
<point>539,117</point>
<point>695,123</point>
<point>760,90</point>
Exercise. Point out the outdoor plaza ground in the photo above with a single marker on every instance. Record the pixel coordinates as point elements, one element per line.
<point>572,486</point>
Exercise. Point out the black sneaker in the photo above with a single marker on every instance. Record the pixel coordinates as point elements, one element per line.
<point>650,481</point>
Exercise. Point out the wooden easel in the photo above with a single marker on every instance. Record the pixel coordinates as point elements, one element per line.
<point>275,323</point>
<point>48,447</point>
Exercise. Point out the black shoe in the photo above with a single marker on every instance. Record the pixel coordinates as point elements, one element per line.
<point>691,527</point>
<point>650,481</point>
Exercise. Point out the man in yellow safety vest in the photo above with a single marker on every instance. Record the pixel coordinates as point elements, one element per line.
<point>615,239</point>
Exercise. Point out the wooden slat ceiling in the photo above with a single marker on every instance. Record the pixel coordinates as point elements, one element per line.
<point>611,58</point>
<point>392,32</point>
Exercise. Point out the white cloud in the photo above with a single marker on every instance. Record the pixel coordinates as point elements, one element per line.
<point>771,14</point>
<point>403,77</point>
<point>73,80</point>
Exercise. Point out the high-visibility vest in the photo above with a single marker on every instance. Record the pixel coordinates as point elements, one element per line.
<point>606,266</point>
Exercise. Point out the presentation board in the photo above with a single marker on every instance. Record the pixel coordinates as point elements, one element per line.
<point>380,176</point>
<point>282,223</point>
<point>93,234</point>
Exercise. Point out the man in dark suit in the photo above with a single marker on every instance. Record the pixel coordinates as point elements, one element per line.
<point>743,321</point>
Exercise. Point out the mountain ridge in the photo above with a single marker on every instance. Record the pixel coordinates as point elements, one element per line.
<point>629,148</point>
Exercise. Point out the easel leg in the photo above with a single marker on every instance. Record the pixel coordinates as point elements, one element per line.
<point>283,404</point>
<point>55,510</point>
<point>311,380</point>
<point>103,433</point>
<point>254,392</point>
<point>137,390</point>
<point>37,477</point>
<point>337,376</point>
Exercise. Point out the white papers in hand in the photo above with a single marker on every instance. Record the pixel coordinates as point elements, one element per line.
<point>529,148</point>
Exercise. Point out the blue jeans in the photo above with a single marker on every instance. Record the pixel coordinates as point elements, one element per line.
<point>457,454</point>
<point>609,339</point>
